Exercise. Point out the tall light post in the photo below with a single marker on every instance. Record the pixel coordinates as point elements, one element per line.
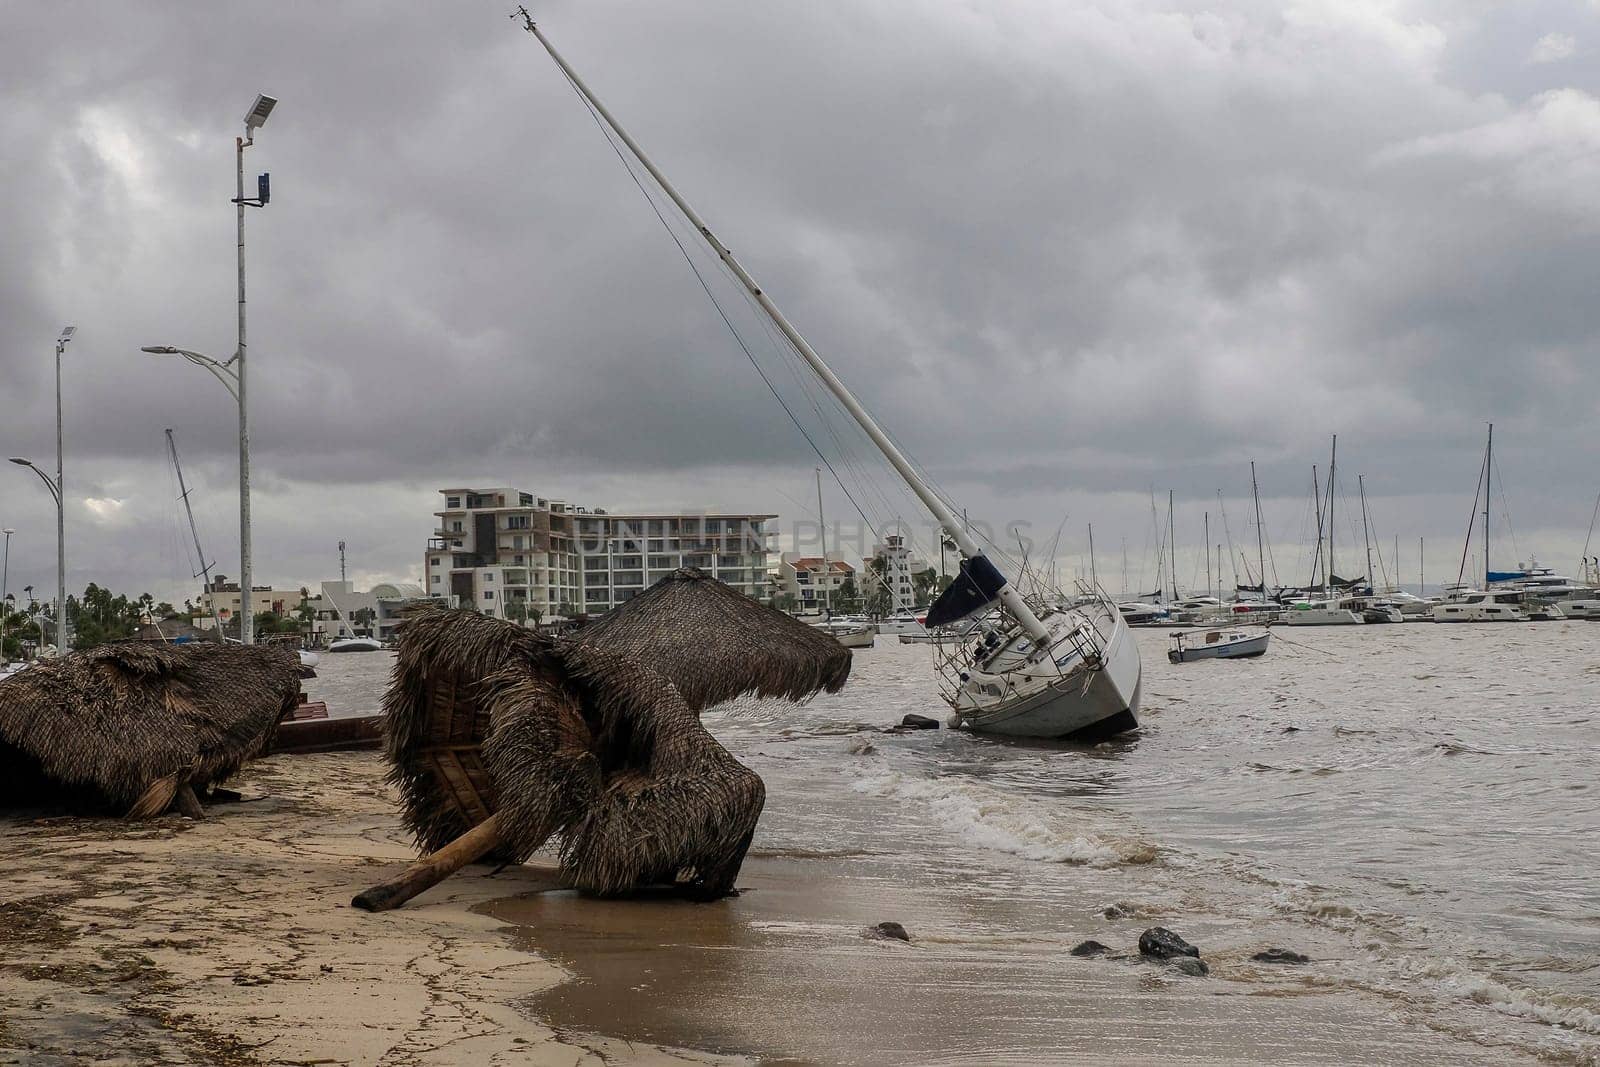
<point>231,372</point>
<point>61,551</point>
<point>5,578</point>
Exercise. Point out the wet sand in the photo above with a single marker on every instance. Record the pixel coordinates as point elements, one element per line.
<point>231,941</point>
<point>782,973</point>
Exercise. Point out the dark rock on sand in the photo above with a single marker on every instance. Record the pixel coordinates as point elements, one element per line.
<point>1091,948</point>
<point>1190,966</point>
<point>920,722</point>
<point>1280,955</point>
<point>887,931</point>
<point>1160,943</point>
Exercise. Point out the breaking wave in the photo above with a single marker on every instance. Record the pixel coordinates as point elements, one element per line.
<point>1002,822</point>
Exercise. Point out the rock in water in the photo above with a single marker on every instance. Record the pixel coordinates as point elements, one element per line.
<point>888,931</point>
<point>920,722</point>
<point>1160,943</point>
<point>1090,948</point>
<point>1280,955</point>
<point>1194,968</point>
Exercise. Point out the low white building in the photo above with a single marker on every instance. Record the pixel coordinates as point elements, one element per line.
<point>813,582</point>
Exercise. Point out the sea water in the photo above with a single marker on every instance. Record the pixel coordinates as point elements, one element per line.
<point>1414,806</point>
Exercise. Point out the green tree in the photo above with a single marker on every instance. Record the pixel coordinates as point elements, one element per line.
<point>363,618</point>
<point>517,611</point>
<point>848,598</point>
<point>785,602</point>
<point>925,586</point>
<point>879,602</point>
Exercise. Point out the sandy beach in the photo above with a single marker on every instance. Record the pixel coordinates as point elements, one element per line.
<point>231,941</point>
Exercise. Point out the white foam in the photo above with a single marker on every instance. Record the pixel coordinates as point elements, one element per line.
<point>1002,822</point>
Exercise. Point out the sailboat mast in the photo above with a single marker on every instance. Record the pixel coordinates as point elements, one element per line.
<point>1205,547</point>
<point>1009,597</point>
<point>827,568</point>
<point>1366,527</point>
<point>1172,545</point>
<point>199,553</point>
<point>1422,570</point>
<point>1488,481</point>
<point>1261,551</point>
<point>1333,474</point>
<point>1094,582</point>
<point>1318,568</point>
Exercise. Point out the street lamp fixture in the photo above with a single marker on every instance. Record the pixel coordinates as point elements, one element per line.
<point>259,111</point>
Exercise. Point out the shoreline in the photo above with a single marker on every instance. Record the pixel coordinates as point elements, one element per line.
<point>231,940</point>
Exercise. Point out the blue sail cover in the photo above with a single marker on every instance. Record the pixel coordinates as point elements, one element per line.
<point>975,588</point>
<point>1507,576</point>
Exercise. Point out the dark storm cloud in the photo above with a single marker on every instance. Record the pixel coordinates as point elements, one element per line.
<point>1069,251</point>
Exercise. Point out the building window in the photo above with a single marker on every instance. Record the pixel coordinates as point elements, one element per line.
<point>488,594</point>
<point>437,580</point>
<point>489,577</point>
<point>452,502</point>
<point>455,526</point>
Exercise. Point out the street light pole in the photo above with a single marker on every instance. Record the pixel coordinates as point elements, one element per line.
<point>252,121</point>
<point>5,578</point>
<point>61,551</point>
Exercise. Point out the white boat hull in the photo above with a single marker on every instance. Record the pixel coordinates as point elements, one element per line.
<point>1233,648</point>
<point>356,644</point>
<point>1108,704</point>
<point>1322,617</point>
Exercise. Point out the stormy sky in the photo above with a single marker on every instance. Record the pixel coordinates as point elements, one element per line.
<point>1071,253</point>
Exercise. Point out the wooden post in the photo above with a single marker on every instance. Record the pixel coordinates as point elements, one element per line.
<point>187,803</point>
<point>432,869</point>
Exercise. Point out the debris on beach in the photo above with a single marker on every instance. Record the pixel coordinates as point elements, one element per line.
<point>1162,944</point>
<point>1280,955</point>
<point>886,931</point>
<point>1089,948</point>
<point>502,738</point>
<point>140,728</point>
<point>913,721</point>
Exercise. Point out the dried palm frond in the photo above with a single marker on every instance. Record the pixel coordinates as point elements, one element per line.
<point>107,724</point>
<point>715,644</point>
<point>591,738</point>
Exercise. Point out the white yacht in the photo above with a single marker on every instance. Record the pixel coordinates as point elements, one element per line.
<point>1482,607</point>
<point>1334,612</point>
<point>356,644</point>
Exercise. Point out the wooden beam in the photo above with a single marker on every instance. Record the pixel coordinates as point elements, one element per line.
<point>432,869</point>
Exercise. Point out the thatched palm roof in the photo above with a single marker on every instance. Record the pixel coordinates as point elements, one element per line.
<point>592,738</point>
<point>107,723</point>
<point>714,643</point>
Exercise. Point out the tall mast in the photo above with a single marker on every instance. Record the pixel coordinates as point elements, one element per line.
<point>827,568</point>
<point>1488,481</point>
<point>1205,547</point>
<point>1261,551</point>
<point>1008,595</point>
<point>1333,475</point>
<point>1172,545</point>
<point>1366,528</point>
<point>1422,573</point>
<point>1094,582</point>
<point>1318,561</point>
<point>199,553</point>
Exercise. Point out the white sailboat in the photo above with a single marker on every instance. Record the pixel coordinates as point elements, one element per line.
<point>1029,670</point>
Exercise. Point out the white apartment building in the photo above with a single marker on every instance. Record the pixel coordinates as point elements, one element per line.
<point>899,566</point>
<point>510,553</point>
<point>812,581</point>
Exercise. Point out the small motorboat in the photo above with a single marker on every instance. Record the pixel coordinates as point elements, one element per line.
<point>356,644</point>
<point>1191,645</point>
<point>848,634</point>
